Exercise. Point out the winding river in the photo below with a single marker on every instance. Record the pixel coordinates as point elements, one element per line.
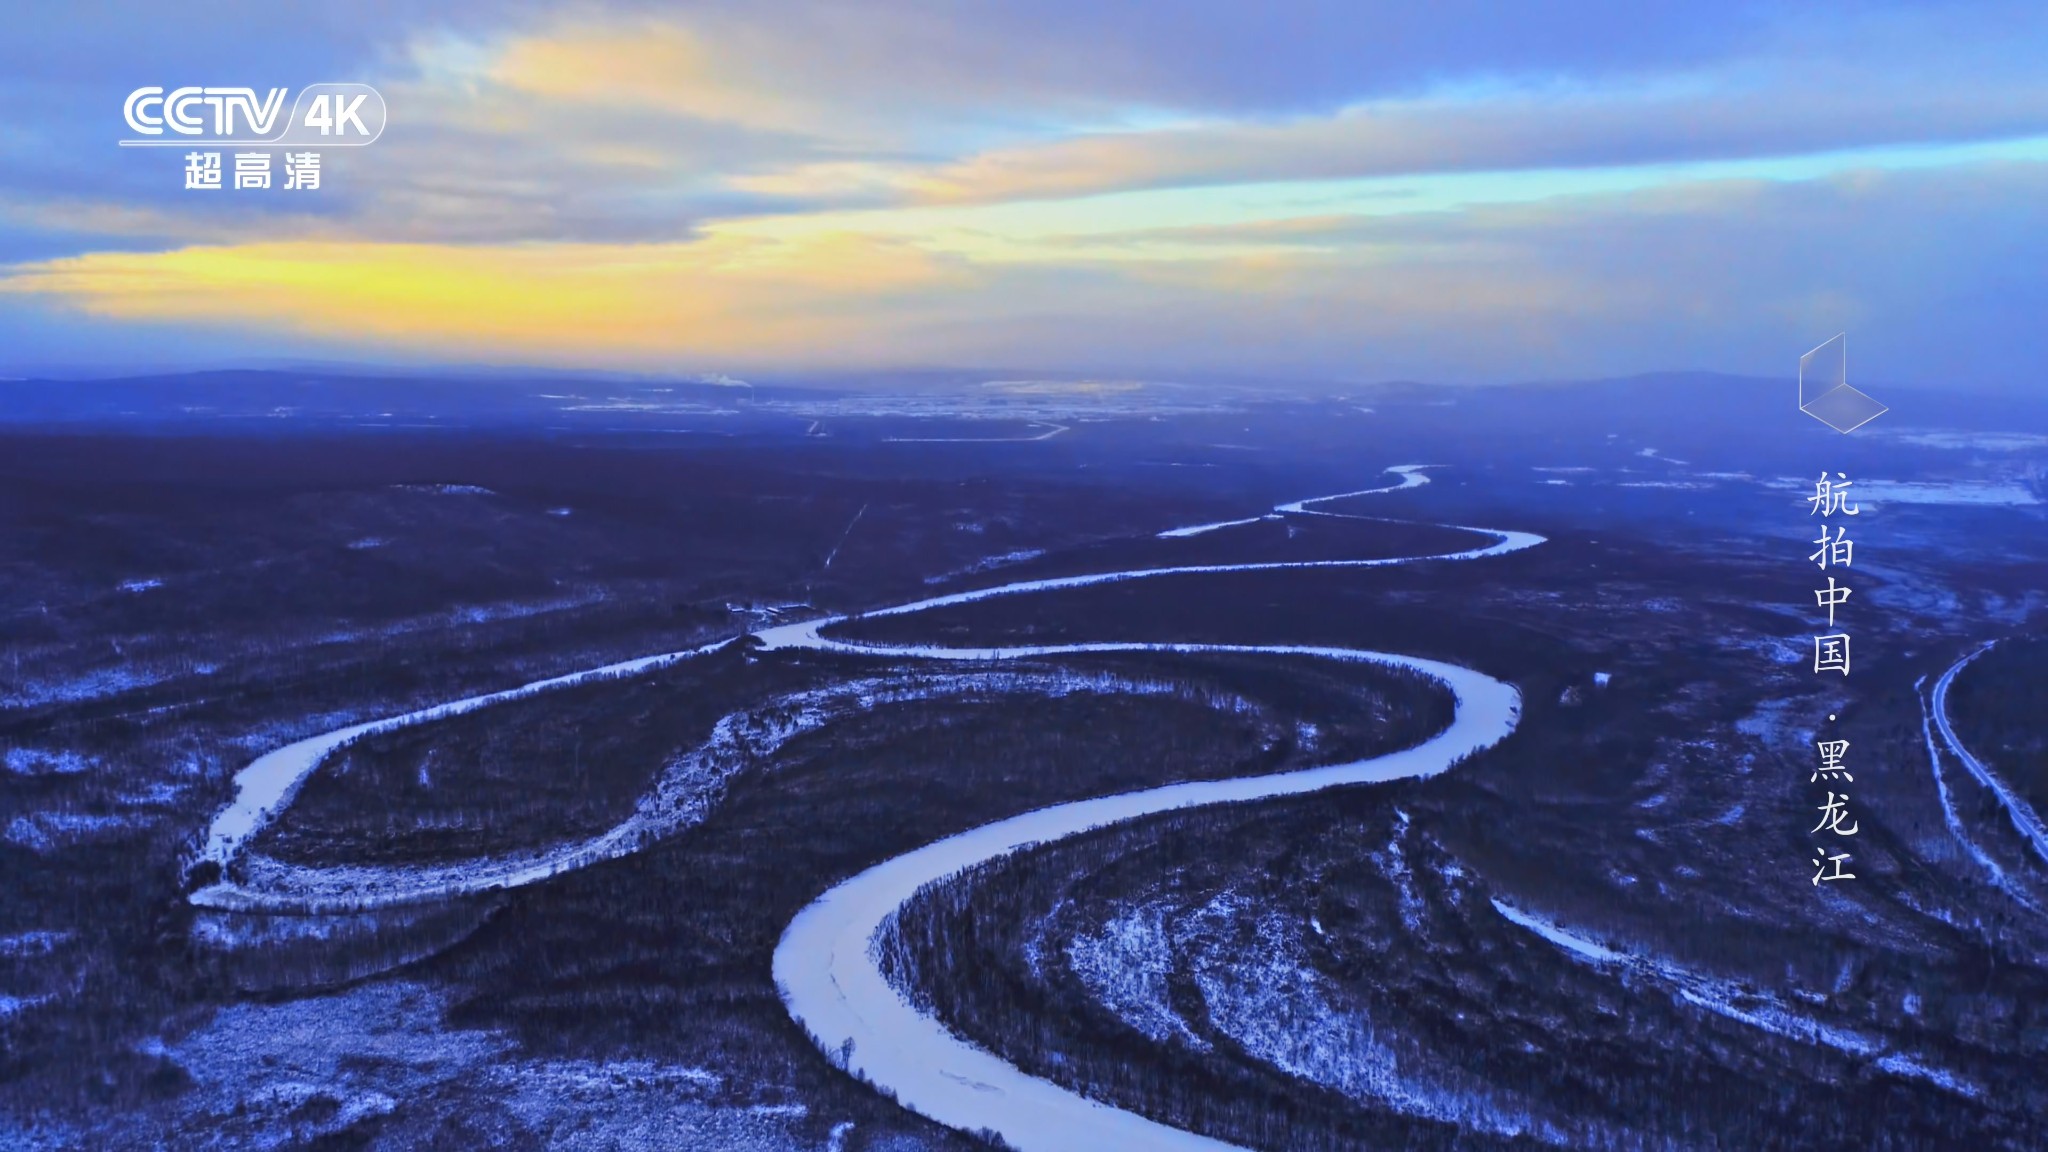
<point>824,965</point>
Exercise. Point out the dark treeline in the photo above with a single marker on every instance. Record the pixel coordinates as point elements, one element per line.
<point>668,952</point>
<point>665,955</point>
<point>1481,1015</point>
<point>528,772</point>
<point>959,949</point>
<point>171,607</point>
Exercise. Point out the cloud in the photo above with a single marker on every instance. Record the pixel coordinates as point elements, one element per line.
<point>723,295</point>
<point>588,123</point>
<point>621,125</point>
<point>1049,61</point>
<point>1935,272</point>
<point>1723,274</point>
<point>1351,190</point>
<point>1500,132</point>
<point>650,65</point>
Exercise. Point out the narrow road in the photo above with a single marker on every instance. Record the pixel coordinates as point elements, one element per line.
<point>2024,818</point>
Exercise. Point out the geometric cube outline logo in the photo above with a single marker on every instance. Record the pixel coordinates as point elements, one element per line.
<point>1824,390</point>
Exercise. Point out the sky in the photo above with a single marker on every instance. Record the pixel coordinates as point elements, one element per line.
<point>1351,191</point>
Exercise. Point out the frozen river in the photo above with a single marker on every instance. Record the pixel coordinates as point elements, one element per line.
<point>824,964</point>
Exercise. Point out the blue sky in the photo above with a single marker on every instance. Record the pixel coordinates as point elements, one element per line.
<point>1355,191</point>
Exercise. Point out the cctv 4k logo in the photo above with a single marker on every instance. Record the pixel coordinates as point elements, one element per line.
<point>327,115</point>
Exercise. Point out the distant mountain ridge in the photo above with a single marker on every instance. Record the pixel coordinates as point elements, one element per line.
<point>460,397</point>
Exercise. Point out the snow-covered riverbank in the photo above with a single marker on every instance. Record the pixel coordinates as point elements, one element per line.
<point>829,978</point>
<point>824,964</point>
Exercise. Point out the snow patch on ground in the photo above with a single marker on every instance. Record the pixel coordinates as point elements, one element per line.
<point>1745,1005</point>
<point>447,489</point>
<point>49,831</point>
<point>461,616</point>
<point>1126,966</point>
<point>286,1075</point>
<point>1393,864</point>
<point>1203,529</point>
<point>94,684</point>
<point>1269,999</point>
<point>1773,723</point>
<point>25,944</point>
<point>988,563</point>
<point>1577,945</point>
<point>161,794</point>
<point>689,787</point>
<point>1961,439</point>
<point>1878,492</point>
<point>11,1006</point>
<point>46,762</point>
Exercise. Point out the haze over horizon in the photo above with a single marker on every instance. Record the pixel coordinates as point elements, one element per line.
<point>1450,194</point>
